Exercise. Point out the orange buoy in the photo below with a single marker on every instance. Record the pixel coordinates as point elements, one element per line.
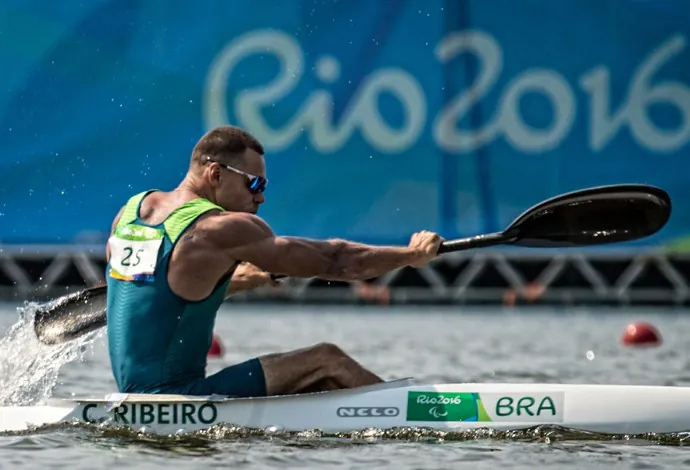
<point>641,334</point>
<point>216,349</point>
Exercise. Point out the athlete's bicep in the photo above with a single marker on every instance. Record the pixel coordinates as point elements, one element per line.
<point>255,242</point>
<point>292,256</point>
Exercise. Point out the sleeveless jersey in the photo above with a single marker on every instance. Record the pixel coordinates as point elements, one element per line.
<point>155,338</point>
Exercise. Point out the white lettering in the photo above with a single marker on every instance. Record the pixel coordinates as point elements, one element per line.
<point>641,95</point>
<point>249,102</point>
<point>491,61</point>
<point>367,411</point>
<point>316,114</point>
<point>556,89</point>
<point>314,117</point>
<point>438,400</point>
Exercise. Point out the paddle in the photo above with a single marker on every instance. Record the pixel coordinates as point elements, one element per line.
<point>71,316</point>
<point>593,216</point>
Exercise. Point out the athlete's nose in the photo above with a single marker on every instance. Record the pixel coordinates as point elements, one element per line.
<point>259,198</point>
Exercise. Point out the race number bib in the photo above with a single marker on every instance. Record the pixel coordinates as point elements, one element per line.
<point>134,252</point>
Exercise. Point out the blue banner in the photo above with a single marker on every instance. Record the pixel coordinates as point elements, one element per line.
<point>378,118</point>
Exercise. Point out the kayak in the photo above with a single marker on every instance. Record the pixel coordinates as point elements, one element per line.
<point>613,409</point>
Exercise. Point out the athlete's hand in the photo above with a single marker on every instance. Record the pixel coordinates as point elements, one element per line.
<point>251,277</point>
<point>424,246</point>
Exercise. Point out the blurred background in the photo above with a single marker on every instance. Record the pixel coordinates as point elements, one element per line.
<point>379,119</point>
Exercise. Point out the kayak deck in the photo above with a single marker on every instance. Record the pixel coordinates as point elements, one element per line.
<point>176,398</point>
<point>615,409</point>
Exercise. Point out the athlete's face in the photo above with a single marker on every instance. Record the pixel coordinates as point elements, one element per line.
<point>239,188</point>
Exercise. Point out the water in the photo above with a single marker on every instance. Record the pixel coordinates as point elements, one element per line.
<point>430,344</point>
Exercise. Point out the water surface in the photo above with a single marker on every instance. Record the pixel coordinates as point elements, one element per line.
<point>449,344</point>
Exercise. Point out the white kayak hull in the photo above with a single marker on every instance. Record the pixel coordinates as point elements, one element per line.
<point>614,409</point>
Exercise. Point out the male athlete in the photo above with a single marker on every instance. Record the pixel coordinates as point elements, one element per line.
<point>173,257</point>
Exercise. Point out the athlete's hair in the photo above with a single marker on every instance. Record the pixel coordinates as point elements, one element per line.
<point>225,144</point>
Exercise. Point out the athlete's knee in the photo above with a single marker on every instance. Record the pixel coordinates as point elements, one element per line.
<point>330,351</point>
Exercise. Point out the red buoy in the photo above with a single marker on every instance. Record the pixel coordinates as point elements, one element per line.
<point>216,349</point>
<point>641,334</point>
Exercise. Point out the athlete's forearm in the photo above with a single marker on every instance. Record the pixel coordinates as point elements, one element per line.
<point>350,261</point>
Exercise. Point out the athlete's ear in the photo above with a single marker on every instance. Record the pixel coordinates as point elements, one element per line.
<point>214,174</point>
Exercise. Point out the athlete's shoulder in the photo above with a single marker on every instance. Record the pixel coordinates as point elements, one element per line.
<point>242,221</point>
<point>117,219</point>
<point>132,203</point>
<point>235,228</point>
<point>112,230</point>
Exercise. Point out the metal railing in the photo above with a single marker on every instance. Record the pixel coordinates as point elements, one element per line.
<point>479,277</point>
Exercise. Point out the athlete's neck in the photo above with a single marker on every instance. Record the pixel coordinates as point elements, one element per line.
<point>191,185</point>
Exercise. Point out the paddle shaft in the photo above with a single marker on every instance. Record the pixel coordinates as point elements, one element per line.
<point>478,241</point>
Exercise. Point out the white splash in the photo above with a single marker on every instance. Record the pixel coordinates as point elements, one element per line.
<point>29,369</point>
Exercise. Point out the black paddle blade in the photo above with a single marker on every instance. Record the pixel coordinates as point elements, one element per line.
<point>71,316</point>
<point>594,216</point>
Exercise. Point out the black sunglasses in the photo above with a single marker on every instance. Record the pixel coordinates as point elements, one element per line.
<point>256,184</point>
